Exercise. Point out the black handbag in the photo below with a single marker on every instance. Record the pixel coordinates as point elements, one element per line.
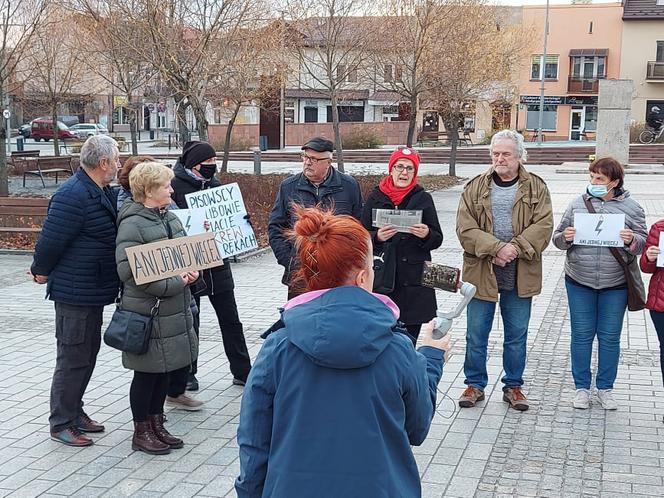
<point>385,269</point>
<point>636,291</point>
<point>130,331</point>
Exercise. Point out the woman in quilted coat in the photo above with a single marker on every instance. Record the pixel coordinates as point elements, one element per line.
<point>655,302</point>
<point>173,344</point>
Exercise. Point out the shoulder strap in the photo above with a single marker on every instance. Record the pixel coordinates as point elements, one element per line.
<point>614,252</point>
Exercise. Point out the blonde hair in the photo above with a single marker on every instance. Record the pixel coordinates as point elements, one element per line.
<point>147,176</point>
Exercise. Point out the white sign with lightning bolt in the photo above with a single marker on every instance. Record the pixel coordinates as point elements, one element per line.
<point>599,229</point>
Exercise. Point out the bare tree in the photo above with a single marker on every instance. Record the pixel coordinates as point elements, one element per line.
<point>254,71</point>
<point>332,48</point>
<point>404,46</point>
<point>476,59</point>
<point>18,22</point>
<point>58,73</point>
<point>117,53</point>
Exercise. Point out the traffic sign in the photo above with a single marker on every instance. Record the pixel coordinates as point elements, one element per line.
<point>7,113</point>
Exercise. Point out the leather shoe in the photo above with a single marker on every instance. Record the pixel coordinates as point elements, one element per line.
<point>71,436</point>
<point>86,424</point>
<point>239,382</point>
<point>516,398</point>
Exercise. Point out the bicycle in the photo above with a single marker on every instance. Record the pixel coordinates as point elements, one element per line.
<point>650,136</point>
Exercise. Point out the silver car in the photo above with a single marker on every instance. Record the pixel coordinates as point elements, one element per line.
<point>85,130</point>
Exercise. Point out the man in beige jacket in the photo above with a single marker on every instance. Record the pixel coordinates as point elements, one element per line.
<point>504,222</point>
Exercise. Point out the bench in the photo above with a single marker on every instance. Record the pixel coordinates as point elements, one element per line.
<point>43,163</point>
<point>21,155</point>
<point>15,210</point>
<point>432,136</point>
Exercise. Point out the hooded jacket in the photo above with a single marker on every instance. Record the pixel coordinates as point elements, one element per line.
<point>655,300</point>
<point>214,280</point>
<point>173,344</point>
<point>334,402</point>
<point>593,266</point>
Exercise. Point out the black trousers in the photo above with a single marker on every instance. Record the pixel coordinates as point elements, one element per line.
<point>232,333</point>
<point>658,320</point>
<point>414,331</point>
<point>147,394</point>
<point>177,381</point>
<point>78,338</point>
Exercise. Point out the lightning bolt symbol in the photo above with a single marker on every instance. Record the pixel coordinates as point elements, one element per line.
<point>187,225</point>
<point>599,224</point>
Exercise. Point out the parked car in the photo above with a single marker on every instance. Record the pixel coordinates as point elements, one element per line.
<point>85,130</point>
<point>24,130</point>
<point>42,129</point>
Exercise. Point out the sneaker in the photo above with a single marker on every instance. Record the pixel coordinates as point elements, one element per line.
<point>185,402</point>
<point>192,383</point>
<point>71,436</point>
<point>581,399</point>
<point>606,399</point>
<point>238,382</point>
<point>470,397</point>
<point>516,399</point>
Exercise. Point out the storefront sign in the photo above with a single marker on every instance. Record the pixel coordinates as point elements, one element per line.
<point>548,99</point>
<point>581,100</point>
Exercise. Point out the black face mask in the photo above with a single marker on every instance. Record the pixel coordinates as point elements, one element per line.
<point>208,170</point>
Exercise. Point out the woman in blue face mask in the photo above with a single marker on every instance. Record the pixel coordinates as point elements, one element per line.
<point>595,280</point>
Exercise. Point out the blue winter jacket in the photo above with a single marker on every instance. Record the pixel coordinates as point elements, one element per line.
<point>76,247</point>
<point>334,402</point>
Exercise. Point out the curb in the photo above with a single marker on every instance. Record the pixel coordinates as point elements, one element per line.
<point>239,259</point>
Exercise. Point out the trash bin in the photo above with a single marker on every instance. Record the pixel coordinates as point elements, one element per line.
<point>151,134</point>
<point>262,142</point>
<point>19,143</point>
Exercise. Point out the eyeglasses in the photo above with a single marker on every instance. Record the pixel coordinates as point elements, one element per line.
<point>401,167</point>
<point>313,160</point>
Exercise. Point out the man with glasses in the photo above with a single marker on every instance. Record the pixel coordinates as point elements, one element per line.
<point>318,184</point>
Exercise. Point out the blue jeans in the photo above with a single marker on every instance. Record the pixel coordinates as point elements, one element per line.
<point>515,311</point>
<point>595,312</point>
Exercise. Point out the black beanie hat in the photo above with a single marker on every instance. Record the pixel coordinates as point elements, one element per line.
<point>194,153</point>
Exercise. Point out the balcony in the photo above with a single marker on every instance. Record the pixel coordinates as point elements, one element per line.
<point>655,71</point>
<point>582,85</point>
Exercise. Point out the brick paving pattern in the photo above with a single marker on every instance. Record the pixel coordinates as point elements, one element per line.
<point>550,450</point>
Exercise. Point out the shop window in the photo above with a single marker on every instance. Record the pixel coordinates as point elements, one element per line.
<point>550,69</point>
<point>548,121</point>
<point>347,113</point>
<point>590,123</point>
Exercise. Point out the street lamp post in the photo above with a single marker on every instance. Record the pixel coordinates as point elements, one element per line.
<point>543,76</point>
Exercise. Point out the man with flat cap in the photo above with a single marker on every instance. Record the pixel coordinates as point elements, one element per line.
<point>318,184</point>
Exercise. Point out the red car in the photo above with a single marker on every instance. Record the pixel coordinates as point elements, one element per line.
<point>42,129</point>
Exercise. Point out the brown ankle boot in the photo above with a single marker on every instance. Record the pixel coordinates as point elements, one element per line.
<point>157,425</point>
<point>146,440</point>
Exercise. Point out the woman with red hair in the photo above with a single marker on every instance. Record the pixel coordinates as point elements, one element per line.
<point>338,395</point>
<point>399,190</point>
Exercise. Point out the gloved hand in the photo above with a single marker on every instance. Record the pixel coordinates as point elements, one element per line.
<point>248,218</point>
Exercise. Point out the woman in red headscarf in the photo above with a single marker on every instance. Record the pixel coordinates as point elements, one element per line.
<point>399,190</point>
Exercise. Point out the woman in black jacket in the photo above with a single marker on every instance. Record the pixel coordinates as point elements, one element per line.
<point>399,190</point>
<point>195,171</point>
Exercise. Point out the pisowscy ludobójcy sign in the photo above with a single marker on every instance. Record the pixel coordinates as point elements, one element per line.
<point>223,209</point>
<point>171,257</point>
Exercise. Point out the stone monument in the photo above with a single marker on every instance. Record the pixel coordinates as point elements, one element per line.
<point>613,120</point>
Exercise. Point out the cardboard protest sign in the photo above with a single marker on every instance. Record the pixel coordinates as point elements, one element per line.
<point>598,229</point>
<point>171,257</point>
<point>193,220</point>
<point>225,211</point>
<point>660,256</point>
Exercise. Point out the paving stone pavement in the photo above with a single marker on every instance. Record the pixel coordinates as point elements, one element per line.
<point>550,450</point>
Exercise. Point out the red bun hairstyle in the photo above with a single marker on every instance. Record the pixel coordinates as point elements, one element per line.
<point>330,247</point>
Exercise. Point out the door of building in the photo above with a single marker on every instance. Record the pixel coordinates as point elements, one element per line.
<point>576,123</point>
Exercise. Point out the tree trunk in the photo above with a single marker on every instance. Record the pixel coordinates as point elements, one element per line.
<point>227,141</point>
<point>201,120</point>
<point>453,133</point>
<point>132,126</point>
<point>4,177</point>
<point>56,141</point>
<point>181,117</point>
<point>412,122</point>
<point>337,132</point>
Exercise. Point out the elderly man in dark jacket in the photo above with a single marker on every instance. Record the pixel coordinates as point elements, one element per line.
<point>75,256</point>
<point>319,183</point>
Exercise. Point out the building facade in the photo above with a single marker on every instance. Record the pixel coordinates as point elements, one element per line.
<point>642,57</point>
<point>584,46</point>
